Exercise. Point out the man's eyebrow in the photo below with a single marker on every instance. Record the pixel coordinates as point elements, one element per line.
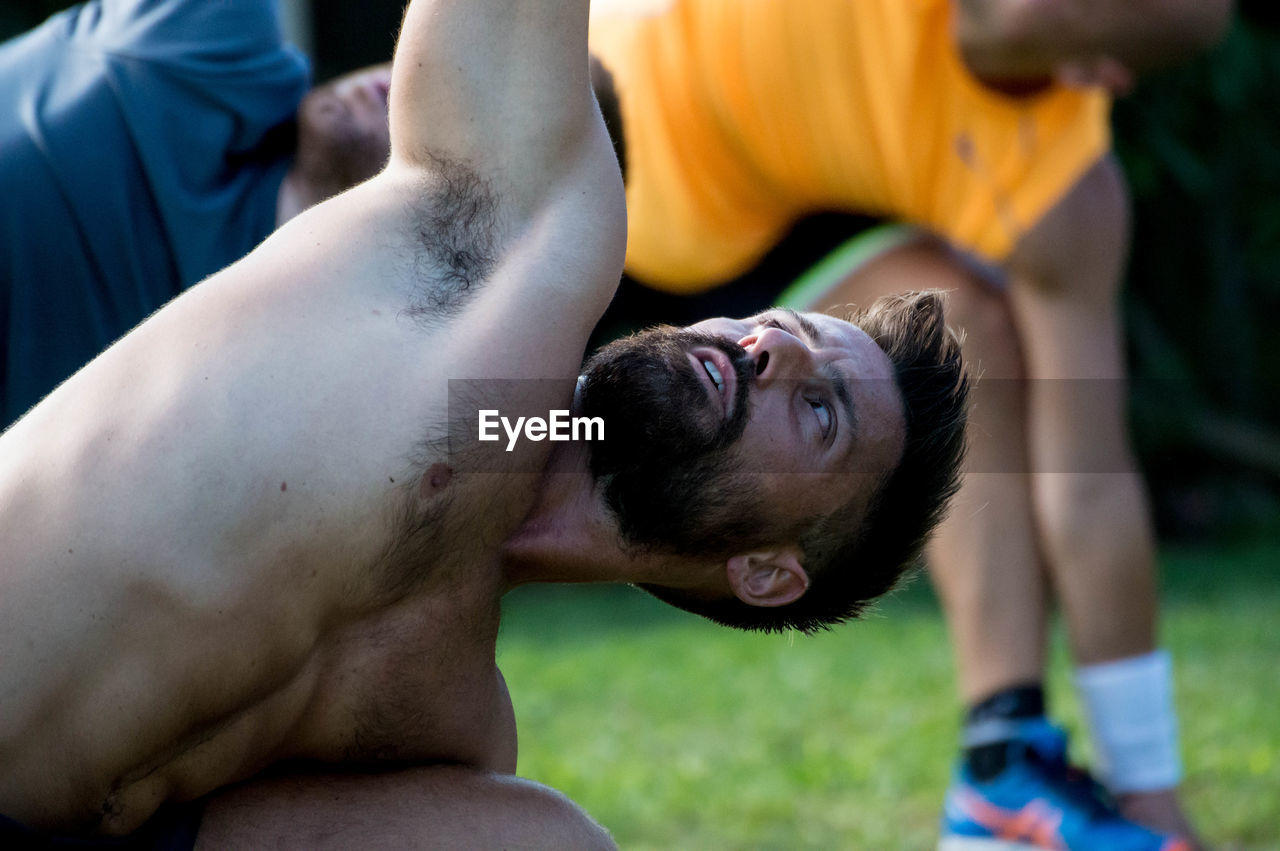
<point>806,325</point>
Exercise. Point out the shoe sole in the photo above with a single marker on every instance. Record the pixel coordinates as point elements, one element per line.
<point>975,843</point>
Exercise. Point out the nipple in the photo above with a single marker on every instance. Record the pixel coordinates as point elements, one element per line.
<point>435,480</point>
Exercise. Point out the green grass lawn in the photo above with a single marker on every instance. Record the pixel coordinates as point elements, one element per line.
<point>678,734</point>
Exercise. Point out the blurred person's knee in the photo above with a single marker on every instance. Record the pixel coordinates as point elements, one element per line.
<point>1078,249</point>
<point>976,302</point>
<point>977,306</point>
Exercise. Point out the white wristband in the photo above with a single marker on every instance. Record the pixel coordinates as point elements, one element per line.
<point>1129,704</point>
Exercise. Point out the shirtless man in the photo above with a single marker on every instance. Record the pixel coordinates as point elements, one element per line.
<point>245,535</point>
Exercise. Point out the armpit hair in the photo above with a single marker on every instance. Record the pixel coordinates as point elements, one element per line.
<point>457,235</point>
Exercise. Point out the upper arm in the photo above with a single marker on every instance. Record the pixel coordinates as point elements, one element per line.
<point>1012,37</point>
<point>500,90</point>
<point>499,84</point>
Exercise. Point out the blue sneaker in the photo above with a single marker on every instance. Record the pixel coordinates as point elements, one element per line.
<point>1037,802</point>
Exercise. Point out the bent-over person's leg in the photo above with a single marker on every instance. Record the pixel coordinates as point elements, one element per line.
<point>1091,502</point>
<point>983,558</point>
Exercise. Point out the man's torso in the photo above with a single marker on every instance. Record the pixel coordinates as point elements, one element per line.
<point>223,545</point>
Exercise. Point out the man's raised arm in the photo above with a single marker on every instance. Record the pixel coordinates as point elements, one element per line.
<point>493,83</point>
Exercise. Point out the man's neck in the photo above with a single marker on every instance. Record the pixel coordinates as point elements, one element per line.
<point>559,538</point>
<point>570,536</point>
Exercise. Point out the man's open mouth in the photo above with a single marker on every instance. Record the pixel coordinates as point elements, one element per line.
<point>716,373</point>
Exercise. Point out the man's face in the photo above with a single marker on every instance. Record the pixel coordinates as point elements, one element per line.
<point>727,433</point>
<point>343,135</point>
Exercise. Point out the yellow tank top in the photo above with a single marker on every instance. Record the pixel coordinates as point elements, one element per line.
<point>742,115</point>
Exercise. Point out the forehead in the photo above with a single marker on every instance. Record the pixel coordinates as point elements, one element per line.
<point>831,332</point>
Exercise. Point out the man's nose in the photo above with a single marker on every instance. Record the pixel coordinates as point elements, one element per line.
<point>778,355</point>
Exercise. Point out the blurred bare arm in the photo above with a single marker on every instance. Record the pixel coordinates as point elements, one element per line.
<point>1012,39</point>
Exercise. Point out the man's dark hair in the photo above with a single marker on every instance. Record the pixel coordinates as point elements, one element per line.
<point>852,559</point>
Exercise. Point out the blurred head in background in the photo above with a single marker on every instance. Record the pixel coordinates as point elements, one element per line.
<point>343,138</point>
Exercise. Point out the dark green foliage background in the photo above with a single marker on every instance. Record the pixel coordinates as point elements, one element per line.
<point>1201,146</point>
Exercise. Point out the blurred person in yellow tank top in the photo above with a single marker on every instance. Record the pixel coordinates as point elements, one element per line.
<point>982,125</point>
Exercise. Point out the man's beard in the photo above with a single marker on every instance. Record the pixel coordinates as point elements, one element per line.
<point>667,466</point>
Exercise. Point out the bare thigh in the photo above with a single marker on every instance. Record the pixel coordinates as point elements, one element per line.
<point>424,807</point>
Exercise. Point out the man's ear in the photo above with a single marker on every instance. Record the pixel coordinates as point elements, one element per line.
<point>768,578</point>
